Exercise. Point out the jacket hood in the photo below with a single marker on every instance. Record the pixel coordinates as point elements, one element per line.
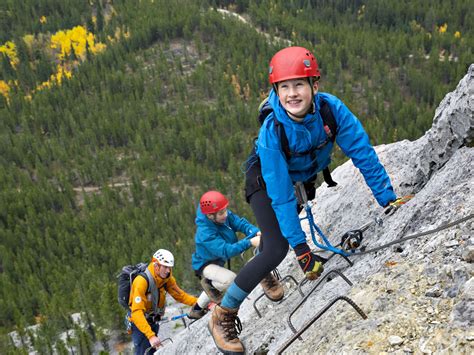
<point>201,219</point>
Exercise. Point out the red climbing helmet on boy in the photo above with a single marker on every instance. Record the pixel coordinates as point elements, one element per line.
<point>291,63</point>
<point>212,202</point>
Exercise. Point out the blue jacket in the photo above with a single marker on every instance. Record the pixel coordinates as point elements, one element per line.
<point>280,175</point>
<point>218,242</point>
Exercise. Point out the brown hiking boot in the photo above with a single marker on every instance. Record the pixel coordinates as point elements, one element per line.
<point>197,312</point>
<point>272,288</point>
<point>214,294</point>
<point>225,327</point>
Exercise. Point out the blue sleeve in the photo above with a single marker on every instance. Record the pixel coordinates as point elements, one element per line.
<point>354,142</point>
<point>218,248</point>
<point>239,224</point>
<point>279,185</point>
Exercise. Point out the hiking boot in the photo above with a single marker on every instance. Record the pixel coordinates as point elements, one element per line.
<point>272,288</point>
<point>197,312</point>
<point>225,327</point>
<point>214,294</point>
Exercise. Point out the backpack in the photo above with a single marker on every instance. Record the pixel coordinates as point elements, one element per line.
<point>329,124</point>
<point>125,280</point>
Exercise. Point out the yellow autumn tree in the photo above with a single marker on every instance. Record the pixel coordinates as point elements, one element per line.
<point>9,50</point>
<point>4,89</point>
<point>76,38</point>
<point>443,28</point>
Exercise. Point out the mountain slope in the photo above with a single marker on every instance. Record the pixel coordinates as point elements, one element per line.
<point>418,295</point>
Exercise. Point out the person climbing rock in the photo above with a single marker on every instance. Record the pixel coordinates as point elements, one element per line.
<point>295,141</point>
<point>217,242</point>
<point>147,300</point>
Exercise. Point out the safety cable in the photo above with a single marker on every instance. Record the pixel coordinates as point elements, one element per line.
<point>413,236</point>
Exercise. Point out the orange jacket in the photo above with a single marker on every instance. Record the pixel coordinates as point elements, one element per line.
<point>141,302</point>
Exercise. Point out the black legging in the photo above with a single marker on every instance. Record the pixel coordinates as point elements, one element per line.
<point>273,245</point>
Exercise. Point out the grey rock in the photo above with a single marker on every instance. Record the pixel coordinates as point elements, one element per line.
<point>463,313</point>
<point>468,254</point>
<point>395,340</point>
<point>434,292</point>
<point>451,243</point>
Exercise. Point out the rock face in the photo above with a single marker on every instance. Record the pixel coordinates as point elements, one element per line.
<point>419,295</point>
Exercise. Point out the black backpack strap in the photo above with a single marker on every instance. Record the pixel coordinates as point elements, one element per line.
<point>330,126</point>
<point>285,145</point>
<point>328,178</point>
<point>264,109</point>
<point>145,276</point>
<point>329,122</point>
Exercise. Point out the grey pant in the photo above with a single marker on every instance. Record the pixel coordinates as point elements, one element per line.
<point>220,277</point>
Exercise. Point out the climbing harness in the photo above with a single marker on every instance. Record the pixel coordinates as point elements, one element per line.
<point>313,227</point>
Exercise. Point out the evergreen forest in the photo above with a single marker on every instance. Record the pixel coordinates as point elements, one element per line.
<point>117,115</point>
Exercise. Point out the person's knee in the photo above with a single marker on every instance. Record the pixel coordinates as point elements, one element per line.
<point>276,255</point>
<point>228,281</point>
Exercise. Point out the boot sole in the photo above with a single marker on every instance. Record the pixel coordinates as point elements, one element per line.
<point>275,299</point>
<point>226,352</point>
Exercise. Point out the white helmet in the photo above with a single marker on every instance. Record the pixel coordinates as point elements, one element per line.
<point>164,257</point>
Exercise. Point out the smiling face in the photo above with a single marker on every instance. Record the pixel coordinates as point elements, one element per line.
<point>296,96</point>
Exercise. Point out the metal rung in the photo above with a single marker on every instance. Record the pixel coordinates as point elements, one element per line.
<point>317,316</point>
<point>303,282</point>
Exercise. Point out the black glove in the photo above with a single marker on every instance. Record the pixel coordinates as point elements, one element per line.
<point>394,205</point>
<point>310,263</point>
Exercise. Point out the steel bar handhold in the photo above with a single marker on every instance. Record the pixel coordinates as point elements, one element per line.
<point>255,305</point>
<point>192,322</point>
<point>277,275</point>
<point>303,282</point>
<point>151,348</point>
<point>294,280</point>
<point>316,317</point>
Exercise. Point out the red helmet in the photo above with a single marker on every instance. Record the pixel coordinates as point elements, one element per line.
<point>292,63</point>
<point>212,202</point>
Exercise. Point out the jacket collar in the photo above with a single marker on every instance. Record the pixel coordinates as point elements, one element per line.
<point>282,115</point>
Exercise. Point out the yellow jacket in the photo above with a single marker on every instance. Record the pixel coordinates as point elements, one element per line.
<point>141,302</point>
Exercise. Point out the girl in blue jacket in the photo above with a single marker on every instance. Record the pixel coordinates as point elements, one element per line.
<point>271,176</point>
<point>217,242</point>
